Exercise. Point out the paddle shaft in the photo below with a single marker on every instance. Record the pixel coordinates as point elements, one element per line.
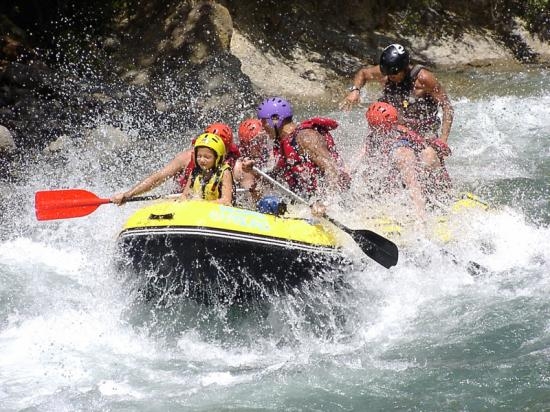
<point>295,196</point>
<point>375,246</point>
<point>70,203</point>
<point>97,201</point>
<point>279,185</point>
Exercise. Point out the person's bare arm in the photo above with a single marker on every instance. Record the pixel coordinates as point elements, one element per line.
<point>227,189</point>
<point>247,180</point>
<point>175,165</point>
<point>364,75</point>
<point>314,145</point>
<point>405,161</point>
<point>430,85</point>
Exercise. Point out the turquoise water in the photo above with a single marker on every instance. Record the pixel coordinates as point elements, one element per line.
<point>426,335</point>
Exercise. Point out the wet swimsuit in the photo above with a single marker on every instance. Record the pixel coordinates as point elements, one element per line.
<point>387,143</point>
<point>418,113</point>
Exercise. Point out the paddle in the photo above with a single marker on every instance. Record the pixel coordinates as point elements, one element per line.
<point>69,203</point>
<point>378,248</point>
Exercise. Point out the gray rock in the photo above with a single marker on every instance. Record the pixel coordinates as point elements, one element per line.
<point>106,138</point>
<point>7,144</point>
<point>62,143</point>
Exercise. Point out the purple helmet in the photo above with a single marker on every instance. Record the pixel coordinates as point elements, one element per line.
<point>274,106</point>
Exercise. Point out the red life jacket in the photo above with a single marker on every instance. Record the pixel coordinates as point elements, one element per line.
<point>301,173</point>
<point>230,158</point>
<point>232,155</point>
<point>183,177</point>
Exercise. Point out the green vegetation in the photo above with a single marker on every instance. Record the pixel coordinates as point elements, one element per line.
<point>537,15</point>
<point>454,16</point>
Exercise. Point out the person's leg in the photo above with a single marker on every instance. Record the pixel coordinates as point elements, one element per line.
<point>406,162</point>
<point>429,158</point>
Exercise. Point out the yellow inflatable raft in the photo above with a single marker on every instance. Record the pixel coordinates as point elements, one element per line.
<point>208,251</point>
<point>440,226</point>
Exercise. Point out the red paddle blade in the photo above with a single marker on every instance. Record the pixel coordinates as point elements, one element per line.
<point>64,204</point>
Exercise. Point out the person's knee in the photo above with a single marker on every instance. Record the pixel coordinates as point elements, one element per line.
<point>404,155</point>
<point>429,158</point>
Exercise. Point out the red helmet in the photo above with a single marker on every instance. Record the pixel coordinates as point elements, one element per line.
<point>381,115</point>
<point>248,130</point>
<point>222,130</point>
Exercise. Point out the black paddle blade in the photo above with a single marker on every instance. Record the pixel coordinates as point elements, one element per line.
<point>377,247</point>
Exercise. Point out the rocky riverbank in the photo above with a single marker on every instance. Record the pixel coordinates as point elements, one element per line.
<point>153,69</point>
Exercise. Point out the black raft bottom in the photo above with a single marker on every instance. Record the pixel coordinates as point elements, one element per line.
<point>221,268</point>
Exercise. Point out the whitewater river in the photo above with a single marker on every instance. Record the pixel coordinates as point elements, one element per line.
<point>426,335</point>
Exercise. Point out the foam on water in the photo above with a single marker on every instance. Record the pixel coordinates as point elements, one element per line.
<point>73,334</point>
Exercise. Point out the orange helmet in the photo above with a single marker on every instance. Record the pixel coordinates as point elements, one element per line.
<point>248,130</point>
<point>381,115</point>
<point>222,130</point>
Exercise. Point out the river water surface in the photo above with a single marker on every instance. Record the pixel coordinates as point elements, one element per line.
<point>426,335</point>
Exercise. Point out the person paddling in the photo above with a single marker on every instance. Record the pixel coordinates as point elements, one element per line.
<point>211,179</point>
<point>305,153</point>
<point>253,142</point>
<point>180,167</point>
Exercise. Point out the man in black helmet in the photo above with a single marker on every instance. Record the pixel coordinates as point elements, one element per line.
<point>417,95</point>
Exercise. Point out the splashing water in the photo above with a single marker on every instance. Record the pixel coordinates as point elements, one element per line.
<point>425,334</point>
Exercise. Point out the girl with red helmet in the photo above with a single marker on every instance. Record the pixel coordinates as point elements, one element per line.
<point>225,132</point>
<point>383,121</point>
<point>253,141</point>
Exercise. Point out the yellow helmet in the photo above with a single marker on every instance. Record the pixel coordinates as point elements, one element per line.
<point>213,142</point>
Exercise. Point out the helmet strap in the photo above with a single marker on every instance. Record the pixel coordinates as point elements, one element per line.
<point>277,132</point>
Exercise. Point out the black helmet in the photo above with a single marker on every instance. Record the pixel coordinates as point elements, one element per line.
<point>394,58</point>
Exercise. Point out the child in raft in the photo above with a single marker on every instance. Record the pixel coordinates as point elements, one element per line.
<point>212,177</point>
